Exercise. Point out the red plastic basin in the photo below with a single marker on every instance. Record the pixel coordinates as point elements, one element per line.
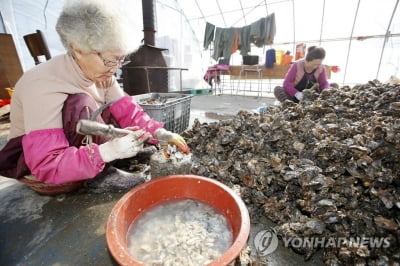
<point>162,189</point>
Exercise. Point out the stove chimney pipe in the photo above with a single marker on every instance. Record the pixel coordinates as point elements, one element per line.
<point>148,22</point>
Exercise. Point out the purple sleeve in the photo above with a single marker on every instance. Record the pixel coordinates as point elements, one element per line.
<point>322,80</point>
<point>51,159</point>
<point>288,83</point>
<point>128,113</point>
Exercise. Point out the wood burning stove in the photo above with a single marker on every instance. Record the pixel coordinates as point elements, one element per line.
<point>147,72</point>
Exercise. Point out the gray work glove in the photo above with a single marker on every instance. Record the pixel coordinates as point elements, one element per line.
<point>299,95</point>
<point>123,147</point>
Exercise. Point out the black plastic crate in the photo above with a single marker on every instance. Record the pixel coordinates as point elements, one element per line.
<point>250,60</point>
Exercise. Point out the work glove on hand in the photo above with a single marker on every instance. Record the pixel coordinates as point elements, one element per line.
<point>123,147</point>
<point>167,137</point>
<point>299,95</point>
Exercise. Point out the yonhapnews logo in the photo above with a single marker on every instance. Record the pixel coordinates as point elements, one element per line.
<point>266,242</point>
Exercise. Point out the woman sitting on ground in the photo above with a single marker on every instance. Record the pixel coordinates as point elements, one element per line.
<point>52,97</point>
<point>304,74</point>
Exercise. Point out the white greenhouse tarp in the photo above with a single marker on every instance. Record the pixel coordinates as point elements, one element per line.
<point>351,31</point>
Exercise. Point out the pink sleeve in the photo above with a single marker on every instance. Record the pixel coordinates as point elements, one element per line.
<point>51,159</point>
<point>288,83</point>
<point>128,113</point>
<point>323,80</point>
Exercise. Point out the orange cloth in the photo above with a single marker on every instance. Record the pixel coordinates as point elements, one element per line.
<point>235,45</point>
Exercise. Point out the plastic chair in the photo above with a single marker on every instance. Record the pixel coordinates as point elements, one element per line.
<point>37,46</point>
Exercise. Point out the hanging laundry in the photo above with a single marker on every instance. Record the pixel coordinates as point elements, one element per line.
<point>223,42</point>
<point>244,40</point>
<point>270,29</point>
<point>229,40</point>
<point>259,33</point>
<point>263,31</point>
<point>235,45</point>
<point>208,35</point>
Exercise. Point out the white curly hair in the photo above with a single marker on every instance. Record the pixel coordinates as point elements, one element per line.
<point>96,25</point>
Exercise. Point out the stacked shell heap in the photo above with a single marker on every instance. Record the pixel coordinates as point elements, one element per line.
<point>327,167</point>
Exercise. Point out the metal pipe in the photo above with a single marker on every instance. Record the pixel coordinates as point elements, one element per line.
<point>148,22</point>
<point>88,127</point>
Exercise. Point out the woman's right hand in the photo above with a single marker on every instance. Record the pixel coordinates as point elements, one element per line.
<point>123,147</point>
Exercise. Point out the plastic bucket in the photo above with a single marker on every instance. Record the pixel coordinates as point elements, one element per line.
<point>173,187</point>
<point>278,57</point>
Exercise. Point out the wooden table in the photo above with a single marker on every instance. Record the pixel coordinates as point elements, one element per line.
<point>276,72</point>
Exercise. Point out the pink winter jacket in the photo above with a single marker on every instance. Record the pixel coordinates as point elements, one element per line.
<point>36,108</point>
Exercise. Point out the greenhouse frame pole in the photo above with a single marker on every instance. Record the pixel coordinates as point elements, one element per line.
<point>351,37</point>
<point>387,35</point>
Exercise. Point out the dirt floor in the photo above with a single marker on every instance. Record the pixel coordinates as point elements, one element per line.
<point>69,229</point>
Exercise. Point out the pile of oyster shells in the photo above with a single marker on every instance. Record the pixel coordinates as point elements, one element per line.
<point>327,167</point>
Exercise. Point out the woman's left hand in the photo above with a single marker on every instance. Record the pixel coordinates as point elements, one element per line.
<point>167,137</point>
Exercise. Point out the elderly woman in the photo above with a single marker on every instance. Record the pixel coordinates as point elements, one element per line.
<point>304,74</point>
<point>52,97</point>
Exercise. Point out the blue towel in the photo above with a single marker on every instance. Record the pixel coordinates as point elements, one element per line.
<point>270,58</point>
